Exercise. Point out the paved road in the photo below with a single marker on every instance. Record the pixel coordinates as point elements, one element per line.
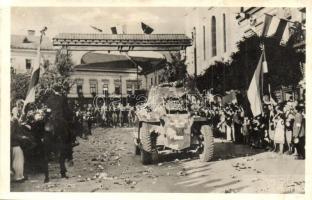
<point>105,163</point>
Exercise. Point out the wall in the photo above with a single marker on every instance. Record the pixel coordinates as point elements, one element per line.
<point>99,76</point>
<point>199,17</point>
<point>19,56</point>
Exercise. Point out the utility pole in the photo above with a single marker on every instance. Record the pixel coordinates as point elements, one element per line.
<point>195,56</point>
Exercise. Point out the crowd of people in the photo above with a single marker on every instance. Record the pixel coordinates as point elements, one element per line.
<point>107,115</point>
<point>31,125</point>
<point>280,127</point>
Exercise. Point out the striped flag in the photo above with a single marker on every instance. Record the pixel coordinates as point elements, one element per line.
<point>264,63</point>
<point>274,26</point>
<point>254,90</point>
<point>30,96</point>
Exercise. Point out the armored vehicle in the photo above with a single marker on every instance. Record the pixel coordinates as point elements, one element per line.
<point>170,120</point>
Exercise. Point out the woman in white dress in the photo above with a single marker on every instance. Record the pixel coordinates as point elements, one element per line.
<point>279,136</point>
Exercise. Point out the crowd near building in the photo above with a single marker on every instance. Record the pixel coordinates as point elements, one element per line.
<point>211,34</point>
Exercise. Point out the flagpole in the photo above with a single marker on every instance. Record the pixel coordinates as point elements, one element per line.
<point>31,86</point>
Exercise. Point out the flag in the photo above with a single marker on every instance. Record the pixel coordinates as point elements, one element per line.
<point>146,29</point>
<point>139,68</point>
<point>264,63</point>
<point>274,26</point>
<point>97,29</point>
<point>285,36</point>
<point>254,90</point>
<point>267,21</point>
<point>31,92</point>
<point>114,30</point>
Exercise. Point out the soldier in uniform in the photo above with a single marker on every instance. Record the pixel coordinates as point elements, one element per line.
<point>60,116</point>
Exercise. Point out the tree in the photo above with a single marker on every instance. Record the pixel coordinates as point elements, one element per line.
<point>63,62</point>
<point>283,63</point>
<point>58,73</point>
<point>215,77</point>
<point>176,69</point>
<point>19,86</point>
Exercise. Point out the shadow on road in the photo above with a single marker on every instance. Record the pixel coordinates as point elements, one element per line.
<point>223,150</point>
<point>228,150</point>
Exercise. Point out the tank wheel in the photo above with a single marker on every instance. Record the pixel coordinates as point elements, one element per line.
<point>208,146</point>
<point>149,152</point>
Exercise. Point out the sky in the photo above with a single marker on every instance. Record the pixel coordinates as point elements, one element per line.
<point>78,20</point>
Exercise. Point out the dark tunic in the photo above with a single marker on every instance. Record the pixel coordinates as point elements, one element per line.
<point>60,116</point>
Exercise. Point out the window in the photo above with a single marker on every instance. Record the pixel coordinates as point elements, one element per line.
<point>204,42</point>
<point>224,33</point>
<point>155,80</point>
<point>213,36</point>
<point>151,81</point>
<point>105,87</point>
<point>28,64</point>
<point>138,84</point>
<point>131,86</point>
<point>79,83</point>
<point>159,79</point>
<point>93,87</point>
<point>117,87</point>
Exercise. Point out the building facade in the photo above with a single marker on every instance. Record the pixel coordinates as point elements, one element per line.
<point>112,75</point>
<point>214,32</point>
<point>251,21</point>
<point>24,51</point>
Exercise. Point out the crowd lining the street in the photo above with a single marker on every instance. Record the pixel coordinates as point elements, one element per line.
<point>281,127</point>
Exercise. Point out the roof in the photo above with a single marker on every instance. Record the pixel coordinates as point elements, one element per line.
<point>94,36</point>
<point>122,42</point>
<point>30,42</point>
<point>111,62</point>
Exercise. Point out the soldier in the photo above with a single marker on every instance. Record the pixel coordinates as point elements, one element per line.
<point>59,118</point>
<point>103,114</point>
<point>121,114</point>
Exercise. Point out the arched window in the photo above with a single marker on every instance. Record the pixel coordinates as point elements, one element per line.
<point>224,33</point>
<point>204,42</point>
<point>213,36</point>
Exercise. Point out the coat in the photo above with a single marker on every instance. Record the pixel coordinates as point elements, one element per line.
<point>299,126</point>
<point>60,116</point>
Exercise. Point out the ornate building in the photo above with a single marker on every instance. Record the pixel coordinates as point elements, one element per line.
<point>214,32</point>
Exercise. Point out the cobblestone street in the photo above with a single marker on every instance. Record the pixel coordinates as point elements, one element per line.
<point>106,163</point>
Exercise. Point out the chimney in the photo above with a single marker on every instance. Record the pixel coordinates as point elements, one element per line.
<point>31,32</point>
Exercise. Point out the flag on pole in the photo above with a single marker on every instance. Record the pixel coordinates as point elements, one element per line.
<point>97,29</point>
<point>274,26</point>
<point>264,63</point>
<point>30,96</point>
<point>114,30</point>
<point>254,90</point>
<point>146,29</point>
